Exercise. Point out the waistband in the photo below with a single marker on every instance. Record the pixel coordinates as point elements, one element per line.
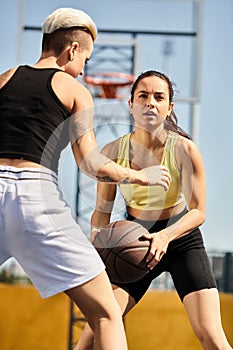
<point>14,173</point>
<point>159,224</point>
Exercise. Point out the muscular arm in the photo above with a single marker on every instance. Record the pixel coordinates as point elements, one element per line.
<point>4,77</point>
<point>194,189</point>
<point>99,166</point>
<point>96,165</point>
<point>104,204</point>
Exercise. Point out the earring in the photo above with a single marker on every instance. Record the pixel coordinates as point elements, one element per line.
<point>71,58</point>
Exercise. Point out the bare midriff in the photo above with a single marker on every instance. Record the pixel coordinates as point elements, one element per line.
<point>19,163</point>
<point>154,215</point>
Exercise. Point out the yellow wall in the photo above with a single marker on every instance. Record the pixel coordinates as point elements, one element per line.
<point>158,322</point>
<point>28,322</point>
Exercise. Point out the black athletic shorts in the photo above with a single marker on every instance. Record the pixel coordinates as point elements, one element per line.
<point>186,260</point>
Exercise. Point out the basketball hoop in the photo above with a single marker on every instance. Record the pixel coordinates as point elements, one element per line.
<point>108,83</point>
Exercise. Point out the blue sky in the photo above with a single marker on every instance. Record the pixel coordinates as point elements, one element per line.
<point>216,76</point>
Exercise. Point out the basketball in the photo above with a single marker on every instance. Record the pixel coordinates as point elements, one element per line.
<point>123,250</point>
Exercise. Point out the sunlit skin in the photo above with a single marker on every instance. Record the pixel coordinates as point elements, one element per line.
<point>95,297</point>
<point>60,83</point>
<point>150,107</point>
<point>78,101</point>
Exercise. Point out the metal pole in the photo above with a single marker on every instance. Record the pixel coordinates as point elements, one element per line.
<point>195,106</point>
<point>20,30</point>
<point>70,339</point>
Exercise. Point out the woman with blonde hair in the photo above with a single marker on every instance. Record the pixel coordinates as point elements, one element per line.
<point>43,108</point>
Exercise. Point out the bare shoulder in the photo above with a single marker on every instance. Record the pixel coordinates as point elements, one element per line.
<point>186,145</point>
<point>71,92</point>
<point>66,80</point>
<point>111,149</point>
<point>186,149</point>
<point>4,77</point>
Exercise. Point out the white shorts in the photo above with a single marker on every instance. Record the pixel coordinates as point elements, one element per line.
<point>37,229</point>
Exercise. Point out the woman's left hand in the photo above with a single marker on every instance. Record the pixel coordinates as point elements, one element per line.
<point>159,244</point>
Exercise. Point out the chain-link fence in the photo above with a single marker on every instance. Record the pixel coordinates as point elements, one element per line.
<point>222,265</point>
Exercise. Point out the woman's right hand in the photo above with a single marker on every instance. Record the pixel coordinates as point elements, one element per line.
<point>157,175</point>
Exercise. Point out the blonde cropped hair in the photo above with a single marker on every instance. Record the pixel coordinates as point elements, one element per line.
<point>68,18</point>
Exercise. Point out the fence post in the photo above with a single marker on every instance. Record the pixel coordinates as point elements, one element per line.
<point>228,273</point>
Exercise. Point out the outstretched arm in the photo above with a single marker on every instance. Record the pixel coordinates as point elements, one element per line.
<point>97,165</point>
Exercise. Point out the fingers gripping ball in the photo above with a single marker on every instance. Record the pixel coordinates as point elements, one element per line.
<point>123,250</point>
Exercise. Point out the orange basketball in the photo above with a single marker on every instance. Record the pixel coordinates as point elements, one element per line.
<point>123,250</point>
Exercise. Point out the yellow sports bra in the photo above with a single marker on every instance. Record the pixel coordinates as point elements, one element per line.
<point>152,197</point>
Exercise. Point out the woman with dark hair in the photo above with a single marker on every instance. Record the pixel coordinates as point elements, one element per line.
<point>172,218</point>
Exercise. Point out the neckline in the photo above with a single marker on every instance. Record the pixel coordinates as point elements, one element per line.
<point>42,68</point>
<point>164,150</point>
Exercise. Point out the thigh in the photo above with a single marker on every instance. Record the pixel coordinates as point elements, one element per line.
<point>137,289</point>
<point>203,309</point>
<point>124,299</point>
<point>191,271</point>
<point>52,248</point>
<point>95,298</point>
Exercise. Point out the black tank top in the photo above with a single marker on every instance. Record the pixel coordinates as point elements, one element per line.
<point>32,118</point>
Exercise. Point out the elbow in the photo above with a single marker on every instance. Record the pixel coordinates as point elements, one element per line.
<point>201,217</point>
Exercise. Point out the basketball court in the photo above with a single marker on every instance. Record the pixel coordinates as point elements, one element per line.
<point>117,58</point>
